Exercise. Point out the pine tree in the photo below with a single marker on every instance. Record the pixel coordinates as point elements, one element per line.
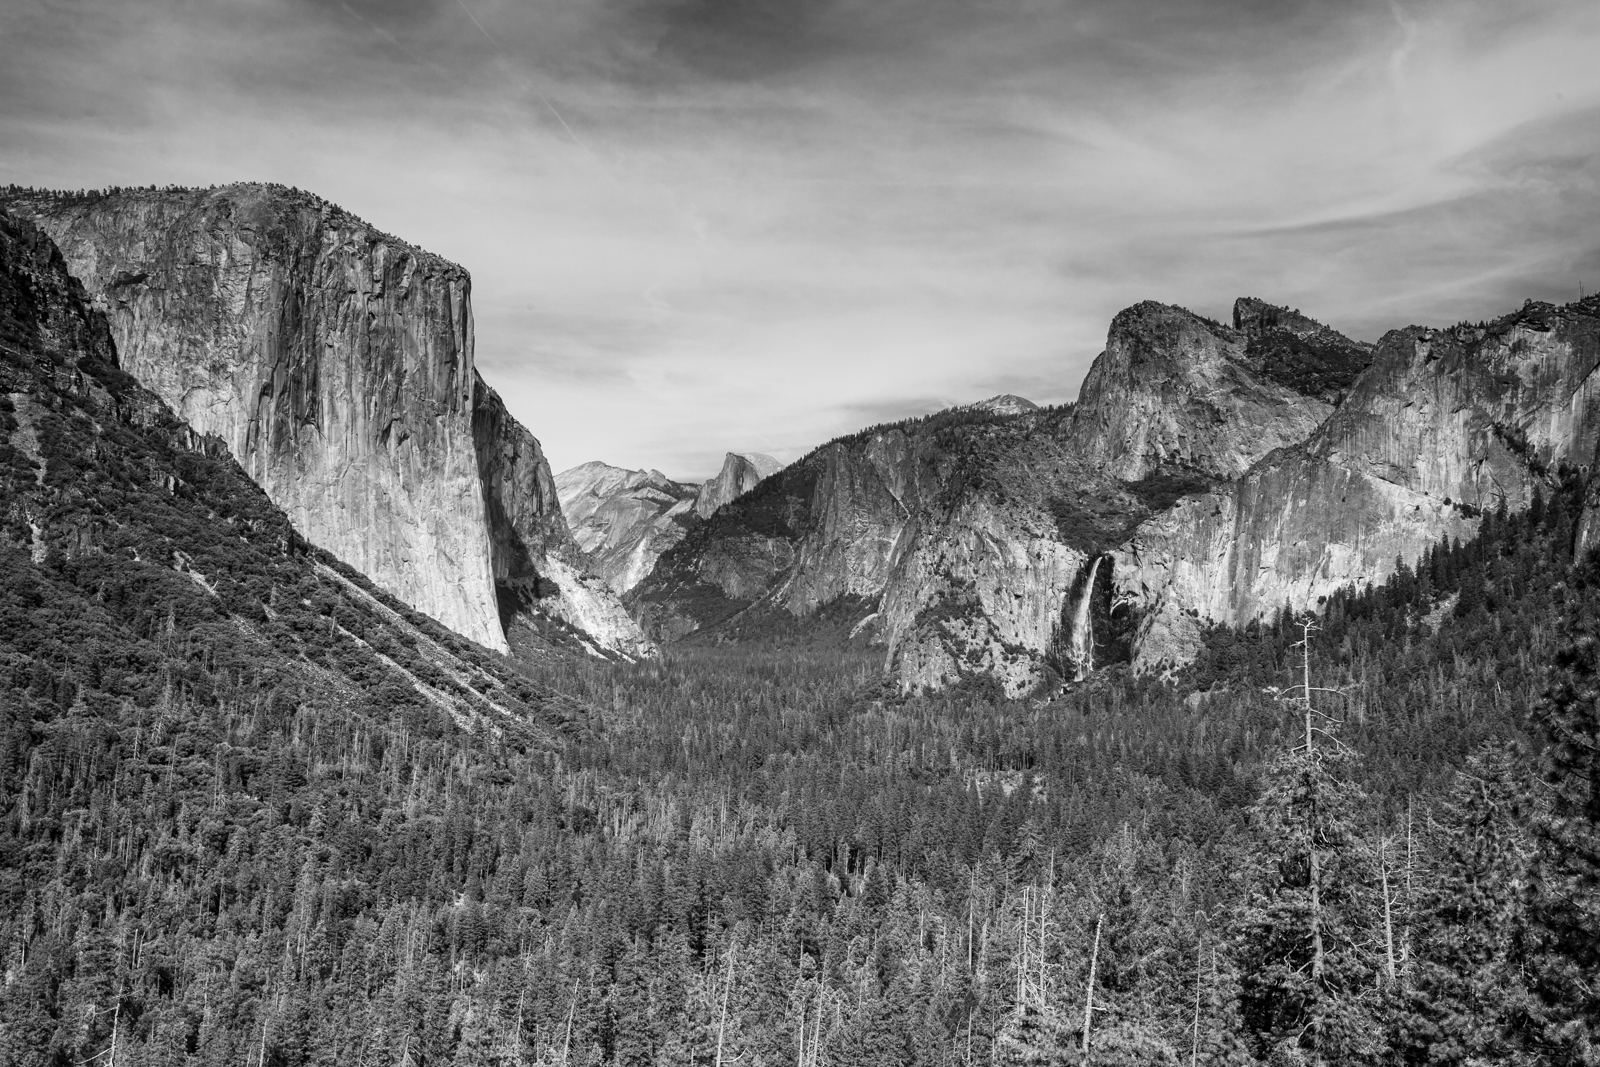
<point>1308,974</point>
<point>1566,890</point>
<point>1467,1002</point>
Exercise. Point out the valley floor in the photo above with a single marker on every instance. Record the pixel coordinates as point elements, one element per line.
<point>760,855</point>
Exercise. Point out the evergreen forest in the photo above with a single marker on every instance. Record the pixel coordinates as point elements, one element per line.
<point>254,813</point>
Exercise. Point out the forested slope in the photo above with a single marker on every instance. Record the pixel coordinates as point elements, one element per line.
<point>231,832</point>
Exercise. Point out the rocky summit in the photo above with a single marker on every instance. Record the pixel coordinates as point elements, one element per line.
<point>740,473</point>
<point>1444,425</point>
<point>623,520</point>
<point>336,363</point>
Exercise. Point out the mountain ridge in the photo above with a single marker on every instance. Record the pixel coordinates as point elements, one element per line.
<point>966,538</point>
<point>623,520</point>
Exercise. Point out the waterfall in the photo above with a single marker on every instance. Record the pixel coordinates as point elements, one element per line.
<point>1080,643</point>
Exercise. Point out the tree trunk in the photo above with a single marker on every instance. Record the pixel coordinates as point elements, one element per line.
<point>1088,1000</point>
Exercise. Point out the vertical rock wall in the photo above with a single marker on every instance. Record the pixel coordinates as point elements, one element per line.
<point>740,473</point>
<point>335,361</point>
<point>537,566</point>
<point>1174,390</point>
<point>1444,425</point>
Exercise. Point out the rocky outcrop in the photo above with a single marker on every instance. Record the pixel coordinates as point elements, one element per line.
<point>1443,425</point>
<point>934,539</point>
<point>1177,391</point>
<point>1004,404</point>
<point>539,571</point>
<point>336,362</point>
<point>624,520</point>
<point>741,472</point>
<point>974,542</point>
<point>154,543</point>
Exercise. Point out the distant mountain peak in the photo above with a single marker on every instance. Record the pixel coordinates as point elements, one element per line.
<point>1004,404</point>
<point>741,472</point>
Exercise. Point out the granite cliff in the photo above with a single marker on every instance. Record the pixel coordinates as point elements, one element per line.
<point>1444,425</point>
<point>142,570</point>
<point>336,363</point>
<point>540,573</point>
<point>975,542</point>
<point>1178,391</point>
<point>623,520</point>
<point>1209,472</point>
<point>740,473</point>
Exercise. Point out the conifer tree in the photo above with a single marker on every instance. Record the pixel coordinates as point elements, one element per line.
<point>1566,889</point>
<point>1468,1002</point>
<point>1308,973</point>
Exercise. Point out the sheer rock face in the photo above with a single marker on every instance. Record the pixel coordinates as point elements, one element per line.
<point>103,477</point>
<point>336,363</point>
<point>983,593</point>
<point>623,520</point>
<point>741,472</point>
<point>1588,533</point>
<point>963,539</point>
<point>938,544</point>
<point>1176,391</point>
<point>537,566</point>
<point>1443,425</point>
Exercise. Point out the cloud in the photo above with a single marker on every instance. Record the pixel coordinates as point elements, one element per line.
<point>703,225</point>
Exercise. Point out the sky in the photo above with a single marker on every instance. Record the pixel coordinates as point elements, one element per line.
<point>699,226</point>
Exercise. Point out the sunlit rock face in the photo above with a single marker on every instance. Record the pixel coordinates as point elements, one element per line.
<point>1175,390</point>
<point>1444,424</point>
<point>623,520</point>
<point>963,543</point>
<point>337,364</point>
<point>538,568</point>
<point>335,361</point>
<point>741,472</point>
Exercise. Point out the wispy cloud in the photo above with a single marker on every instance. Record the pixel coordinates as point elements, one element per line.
<point>702,225</point>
